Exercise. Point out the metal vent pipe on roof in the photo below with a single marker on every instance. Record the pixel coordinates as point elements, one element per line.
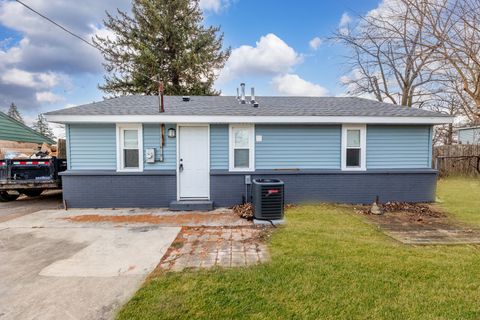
<point>242,98</point>
<point>160,97</point>
<point>252,98</point>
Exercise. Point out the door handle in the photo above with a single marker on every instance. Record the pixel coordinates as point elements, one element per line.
<point>180,167</point>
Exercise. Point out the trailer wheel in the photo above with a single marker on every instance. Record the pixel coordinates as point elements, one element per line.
<point>5,196</point>
<point>32,192</point>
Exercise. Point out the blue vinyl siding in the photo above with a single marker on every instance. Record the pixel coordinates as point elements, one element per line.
<point>152,139</point>
<point>298,147</point>
<point>469,136</point>
<point>219,146</point>
<point>392,147</point>
<point>67,146</point>
<point>92,146</point>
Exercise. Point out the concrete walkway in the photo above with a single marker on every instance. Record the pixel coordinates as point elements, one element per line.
<point>53,268</point>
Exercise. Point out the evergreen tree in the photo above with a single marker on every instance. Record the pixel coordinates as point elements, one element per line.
<point>161,40</point>
<point>41,126</point>
<point>14,113</point>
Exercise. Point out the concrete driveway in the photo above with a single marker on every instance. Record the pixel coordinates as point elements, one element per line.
<point>52,268</point>
<point>26,205</point>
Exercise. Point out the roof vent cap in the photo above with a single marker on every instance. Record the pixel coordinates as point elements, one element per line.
<point>242,90</point>
<point>186,98</point>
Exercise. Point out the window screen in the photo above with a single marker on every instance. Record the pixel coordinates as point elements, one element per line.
<point>241,147</point>
<point>353,148</point>
<point>130,149</point>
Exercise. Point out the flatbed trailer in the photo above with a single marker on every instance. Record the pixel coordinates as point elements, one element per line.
<point>29,176</point>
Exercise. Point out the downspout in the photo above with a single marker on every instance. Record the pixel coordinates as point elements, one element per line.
<point>162,126</point>
<point>161,110</point>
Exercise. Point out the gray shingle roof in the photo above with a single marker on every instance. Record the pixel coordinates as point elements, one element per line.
<point>229,106</point>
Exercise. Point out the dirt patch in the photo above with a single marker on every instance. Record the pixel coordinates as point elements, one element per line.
<point>420,224</point>
<point>226,217</point>
<point>408,212</point>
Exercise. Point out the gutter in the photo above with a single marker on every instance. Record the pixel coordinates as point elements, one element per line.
<point>162,118</point>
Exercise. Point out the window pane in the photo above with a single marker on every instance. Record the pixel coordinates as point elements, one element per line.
<point>130,139</point>
<point>240,137</point>
<point>130,157</point>
<point>353,157</point>
<point>353,138</point>
<point>241,158</point>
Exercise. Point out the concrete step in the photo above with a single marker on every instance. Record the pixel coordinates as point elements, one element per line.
<point>191,205</point>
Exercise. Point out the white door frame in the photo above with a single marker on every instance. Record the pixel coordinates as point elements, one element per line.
<point>179,125</point>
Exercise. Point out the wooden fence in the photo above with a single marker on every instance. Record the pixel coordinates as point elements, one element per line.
<point>457,160</point>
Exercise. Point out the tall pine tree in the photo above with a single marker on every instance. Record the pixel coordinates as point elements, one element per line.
<point>162,40</point>
<point>41,126</point>
<point>14,113</point>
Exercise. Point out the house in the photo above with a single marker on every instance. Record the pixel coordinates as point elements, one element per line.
<point>125,152</point>
<point>469,135</point>
<point>17,137</point>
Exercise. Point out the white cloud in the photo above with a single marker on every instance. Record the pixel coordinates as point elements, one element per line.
<point>29,79</point>
<point>345,19</point>
<point>270,56</point>
<point>344,22</point>
<point>315,43</point>
<point>213,5</point>
<point>48,97</point>
<point>45,56</point>
<point>293,85</point>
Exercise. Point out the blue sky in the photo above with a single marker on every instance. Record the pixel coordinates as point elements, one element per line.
<point>42,68</point>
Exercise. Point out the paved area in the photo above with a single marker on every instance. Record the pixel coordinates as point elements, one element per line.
<point>52,268</point>
<point>425,230</point>
<point>207,247</point>
<point>26,205</point>
<point>86,263</point>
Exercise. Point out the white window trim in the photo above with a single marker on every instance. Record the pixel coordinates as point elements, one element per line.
<point>251,142</point>
<point>363,146</point>
<point>120,164</point>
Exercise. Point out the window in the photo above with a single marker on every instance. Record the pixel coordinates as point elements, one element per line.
<point>242,148</point>
<point>353,147</point>
<point>129,148</point>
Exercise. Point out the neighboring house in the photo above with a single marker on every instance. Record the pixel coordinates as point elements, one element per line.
<point>17,137</point>
<point>470,135</point>
<point>335,149</point>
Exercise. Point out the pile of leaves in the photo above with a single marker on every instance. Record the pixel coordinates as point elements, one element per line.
<point>421,209</point>
<point>414,208</point>
<point>244,211</point>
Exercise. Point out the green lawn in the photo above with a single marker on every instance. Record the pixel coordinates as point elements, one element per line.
<point>461,198</point>
<point>327,263</point>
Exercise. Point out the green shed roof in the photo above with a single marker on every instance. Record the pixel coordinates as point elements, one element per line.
<point>13,130</point>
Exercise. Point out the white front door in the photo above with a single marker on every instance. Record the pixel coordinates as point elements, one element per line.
<point>193,162</point>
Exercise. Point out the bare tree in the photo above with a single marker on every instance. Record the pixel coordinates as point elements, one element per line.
<point>452,29</point>
<point>447,103</point>
<point>387,58</point>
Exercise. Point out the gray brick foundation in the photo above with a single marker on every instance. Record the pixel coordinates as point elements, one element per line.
<point>157,189</point>
<point>111,190</point>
